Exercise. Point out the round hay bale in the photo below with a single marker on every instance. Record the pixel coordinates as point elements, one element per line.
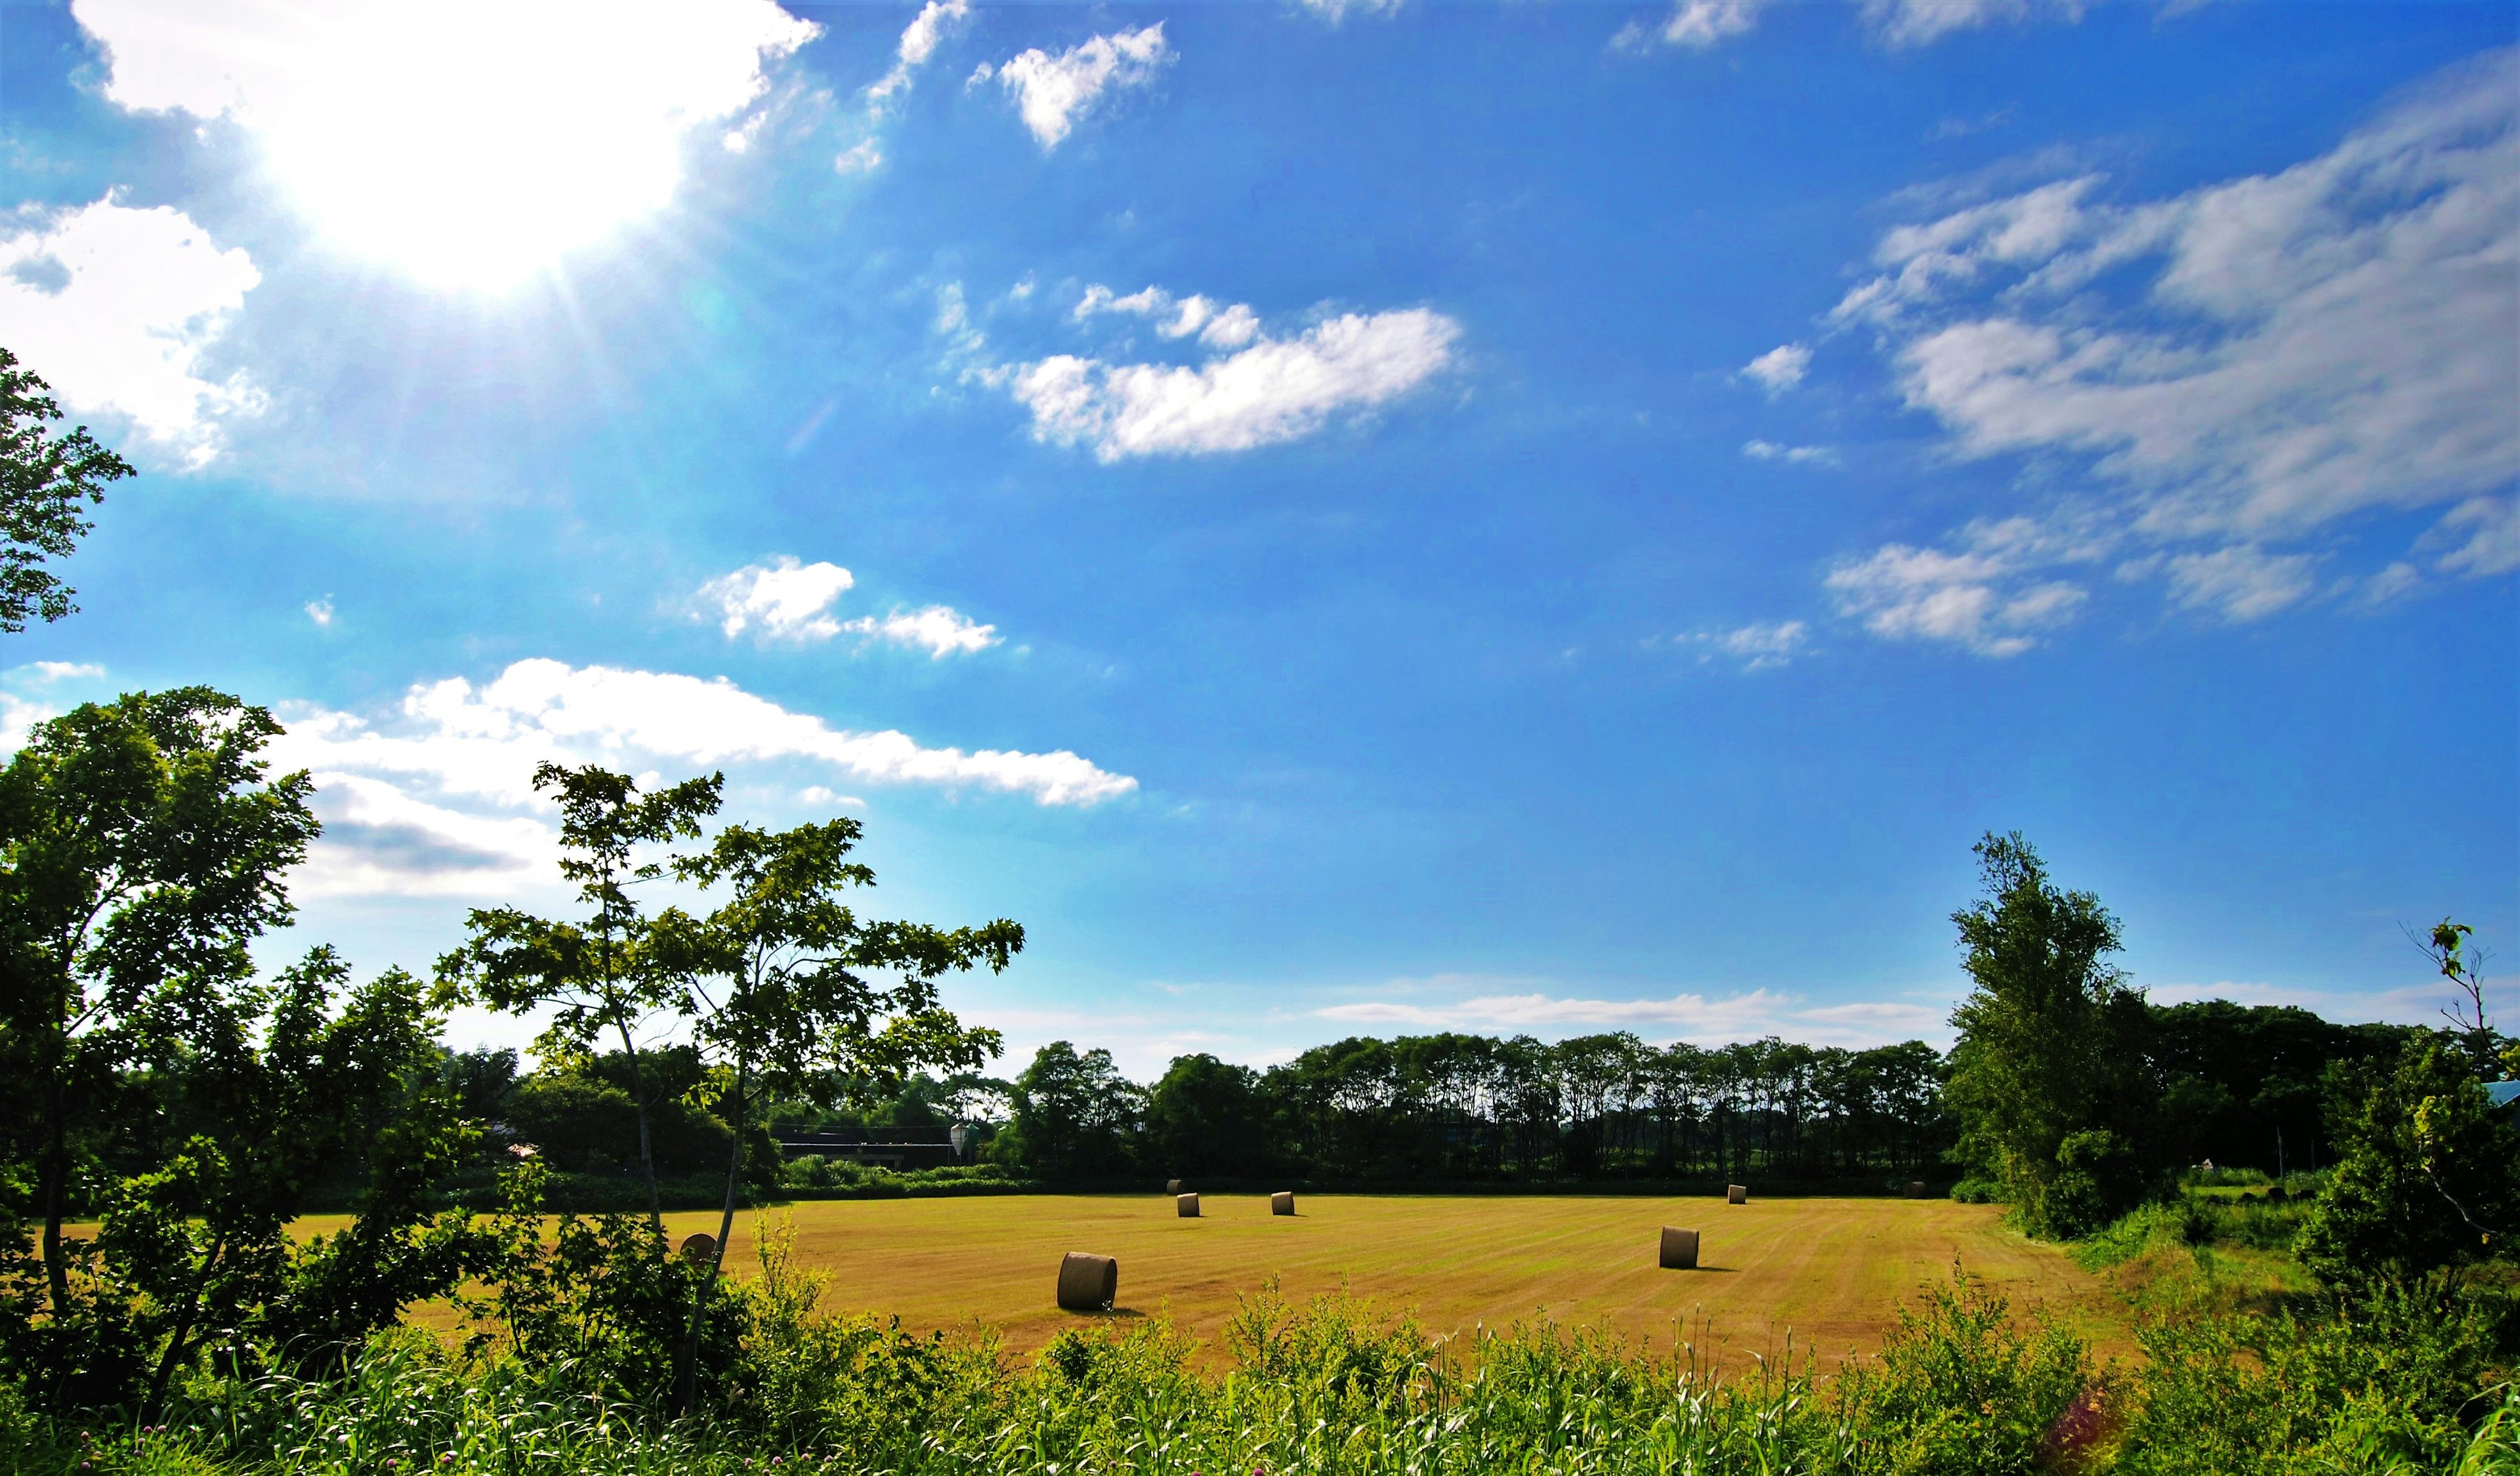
<point>697,1248</point>
<point>1916,1189</point>
<point>1185,1206</point>
<point>1281,1202</point>
<point>1172,1185</point>
<point>1736,1193</point>
<point>1088,1283</point>
<point>1679,1249</point>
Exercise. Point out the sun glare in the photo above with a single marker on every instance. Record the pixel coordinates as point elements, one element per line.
<point>464,141</point>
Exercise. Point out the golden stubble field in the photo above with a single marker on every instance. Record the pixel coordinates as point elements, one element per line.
<point>1832,1270</point>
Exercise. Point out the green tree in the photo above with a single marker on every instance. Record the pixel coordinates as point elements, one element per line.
<point>141,851</point>
<point>46,480</point>
<point>2046,1080</point>
<point>1075,1116</point>
<point>273,1088</point>
<point>2428,1173</point>
<point>599,973</point>
<point>1207,1116</point>
<point>795,1006</point>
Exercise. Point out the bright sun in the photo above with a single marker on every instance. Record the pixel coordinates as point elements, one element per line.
<point>465,142</point>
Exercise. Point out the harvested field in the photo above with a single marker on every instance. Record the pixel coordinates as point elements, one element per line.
<point>1833,1271</point>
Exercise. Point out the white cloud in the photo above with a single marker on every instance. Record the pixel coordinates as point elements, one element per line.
<point>18,720</point>
<point>2254,360</point>
<point>1984,596</point>
<point>783,600</point>
<point>1228,327</point>
<point>1691,1018</point>
<point>319,610</point>
<point>1780,367</point>
<point>1914,23</point>
<point>116,308</point>
<point>1335,10</point>
<point>1701,23</point>
<point>787,600</point>
<point>1274,390</point>
<point>2242,581</point>
<point>935,21</point>
<point>864,156</point>
<point>437,796</point>
<point>1802,456</point>
<point>1758,647</point>
<point>465,140</point>
<point>939,630</point>
<point>49,672</point>
<point>1053,92</point>
<point>2491,545</point>
<point>1693,24</point>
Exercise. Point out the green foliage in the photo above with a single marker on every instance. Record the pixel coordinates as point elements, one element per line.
<point>606,972</point>
<point>2240,1079</point>
<point>581,1117</point>
<point>1206,1116</point>
<point>2376,1381</point>
<point>2095,1179</point>
<point>46,479</point>
<point>2047,1079</point>
<point>1075,1117</point>
<point>1959,1388</point>
<point>141,851</point>
<point>2430,1172</point>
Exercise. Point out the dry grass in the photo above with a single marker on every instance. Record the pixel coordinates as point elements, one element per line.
<point>1832,1270</point>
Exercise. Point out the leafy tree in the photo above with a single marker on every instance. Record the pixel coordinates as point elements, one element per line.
<point>2051,1048</point>
<point>1075,1116</point>
<point>794,1007</point>
<point>600,971</point>
<point>2428,1174</point>
<point>142,850</point>
<point>45,479</point>
<point>1207,1116</point>
<point>2239,1080</point>
<point>274,1090</point>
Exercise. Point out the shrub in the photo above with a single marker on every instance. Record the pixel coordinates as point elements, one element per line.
<point>1957,1389</point>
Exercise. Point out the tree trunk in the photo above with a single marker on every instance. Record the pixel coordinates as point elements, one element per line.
<point>638,1105</point>
<point>55,1172</point>
<point>182,1335</point>
<point>687,1362</point>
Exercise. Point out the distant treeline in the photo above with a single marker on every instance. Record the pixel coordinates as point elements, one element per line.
<point>2244,1086</point>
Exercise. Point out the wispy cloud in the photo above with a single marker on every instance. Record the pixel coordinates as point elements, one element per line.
<point>1986,596</point>
<point>1266,391</point>
<point>1800,456</point>
<point>783,600</point>
<point>1755,648</point>
<point>1693,1017</point>
<point>1053,92</point>
<point>939,630</point>
<point>2247,363</point>
<point>1780,367</point>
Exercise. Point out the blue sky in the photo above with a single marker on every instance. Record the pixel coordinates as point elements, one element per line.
<point>1338,518</point>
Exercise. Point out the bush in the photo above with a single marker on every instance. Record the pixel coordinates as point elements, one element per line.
<point>1975,1191</point>
<point>2376,1381</point>
<point>1957,1389</point>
